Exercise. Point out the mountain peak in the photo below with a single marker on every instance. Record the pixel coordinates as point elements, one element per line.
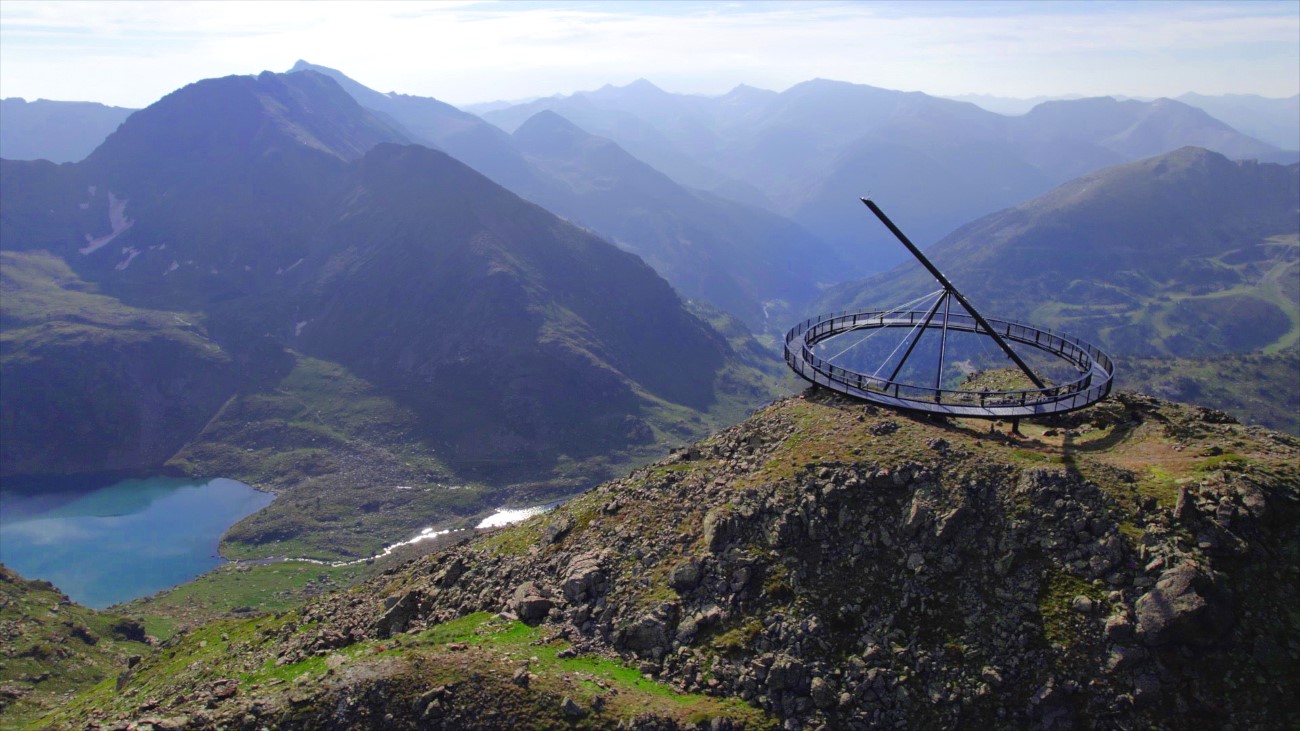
<point>641,88</point>
<point>548,124</point>
<point>245,116</point>
<point>642,84</point>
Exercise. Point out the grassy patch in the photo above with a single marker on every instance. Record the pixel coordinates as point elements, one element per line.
<point>1061,624</point>
<point>482,648</point>
<point>739,638</point>
<point>1227,461</point>
<point>248,588</point>
<point>1035,457</point>
<point>1159,483</point>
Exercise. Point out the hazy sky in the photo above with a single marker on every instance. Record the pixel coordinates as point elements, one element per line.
<point>132,53</point>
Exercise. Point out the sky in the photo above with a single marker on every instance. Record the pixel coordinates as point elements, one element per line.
<point>132,53</point>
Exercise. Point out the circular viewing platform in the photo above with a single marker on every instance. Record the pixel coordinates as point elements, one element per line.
<point>1094,369</point>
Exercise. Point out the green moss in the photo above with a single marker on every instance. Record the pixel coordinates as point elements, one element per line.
<point>1227,461</point>
<point>738,638</point>
<point>1035,457</point>
<point>1133,532</point>
<point>1061,624</point>
<point>1160,484</point>
<point>776,583</point>
<point>517,539</point>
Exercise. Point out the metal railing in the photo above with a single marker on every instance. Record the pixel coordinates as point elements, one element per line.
<point>1094,383</point>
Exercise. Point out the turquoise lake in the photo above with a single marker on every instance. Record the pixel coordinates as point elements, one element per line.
<point>127,540</point>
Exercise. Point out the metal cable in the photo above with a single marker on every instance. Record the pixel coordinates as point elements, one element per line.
<point>877,329</point>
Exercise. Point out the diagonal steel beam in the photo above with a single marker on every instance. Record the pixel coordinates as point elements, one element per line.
<point>948,286</point>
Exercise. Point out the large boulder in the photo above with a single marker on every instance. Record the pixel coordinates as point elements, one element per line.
<point>531,602</point>
<point>398,614</point>
<point>584,578</point>
<point>1185,606</point>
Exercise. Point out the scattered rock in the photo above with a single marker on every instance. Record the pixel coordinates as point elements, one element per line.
<point>584,577</point>
<point>571,710</point>
<point>522,677</point>
<point>400,611</point>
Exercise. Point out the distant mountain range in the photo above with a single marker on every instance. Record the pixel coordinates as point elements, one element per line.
<point>1276,121</point>
<point>251,245</point>
<point>809,151</point>
<point>747,201</point>
<point>272,219</point>
<point>1272,120</point>
<point>745,260</point>
<point>1184,254</point>
<point>55,131</point>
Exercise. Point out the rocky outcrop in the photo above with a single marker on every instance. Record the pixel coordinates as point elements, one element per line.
<point>836,579</point>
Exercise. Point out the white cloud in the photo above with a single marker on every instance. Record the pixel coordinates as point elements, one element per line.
<point>131,53</point>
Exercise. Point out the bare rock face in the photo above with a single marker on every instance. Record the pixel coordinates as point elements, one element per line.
<point>1185,606</point>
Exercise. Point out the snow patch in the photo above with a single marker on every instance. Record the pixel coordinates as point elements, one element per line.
<point>172,268</point>
<point>427,534</point>
<point>297,330</point>
<point>116,219</point>
<point>289,268</point>
<point>505,517</point>
<point>84,206</point>
<point>131,253</point>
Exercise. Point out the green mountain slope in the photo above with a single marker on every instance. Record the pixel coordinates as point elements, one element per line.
<point>1185,254</point>
<point>91,384</point>
<point>52,648</point>
<point>1257,388</point>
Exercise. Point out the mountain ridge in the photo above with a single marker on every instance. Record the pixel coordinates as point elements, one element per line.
<point>59,131</point>
<point>744,260</point>
<point>324,255</point>
<point>824,564</point>
<point>1186,253</point>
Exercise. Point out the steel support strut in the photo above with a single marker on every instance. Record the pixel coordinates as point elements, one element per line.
<point>943,346</point>
<point>919,332</point>
<point>950,289</point>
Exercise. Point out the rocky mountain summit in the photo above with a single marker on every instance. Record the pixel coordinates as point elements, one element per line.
<point>825,564</point>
